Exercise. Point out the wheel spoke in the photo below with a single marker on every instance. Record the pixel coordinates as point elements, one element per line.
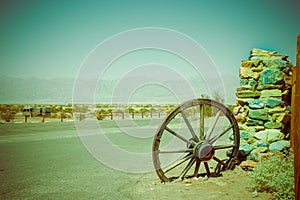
<point>189,156</point>
<point>177,151</point>
<point>190,127</point>
<point>220,161</point>
<point>201,123</point>
<point>224,146</point>
<point>207,169</point>
<point>187,168</point>
<point>178,136</point>
<point>212,140</point>
<point>207,136</point>
<point>198,162</point>
<point>201,141</point>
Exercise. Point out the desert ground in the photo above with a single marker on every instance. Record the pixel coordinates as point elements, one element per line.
<point>49,161</point>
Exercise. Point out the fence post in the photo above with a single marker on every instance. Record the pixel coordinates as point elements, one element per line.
<point>295,123</point>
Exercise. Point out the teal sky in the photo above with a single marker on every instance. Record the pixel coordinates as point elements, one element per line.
<point>51,38</point>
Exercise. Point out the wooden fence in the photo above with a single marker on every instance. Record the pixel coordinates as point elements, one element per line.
<point>132,115</point>
<point>295,123</point>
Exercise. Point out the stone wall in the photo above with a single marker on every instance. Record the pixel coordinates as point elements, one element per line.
<point>263,103</point>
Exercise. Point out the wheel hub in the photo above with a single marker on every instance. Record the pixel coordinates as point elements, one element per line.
<point>204,151</point>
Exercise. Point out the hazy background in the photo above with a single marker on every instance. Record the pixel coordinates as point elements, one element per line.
<point>43,43</point>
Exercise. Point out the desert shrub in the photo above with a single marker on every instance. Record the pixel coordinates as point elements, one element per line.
<point>275,175</point>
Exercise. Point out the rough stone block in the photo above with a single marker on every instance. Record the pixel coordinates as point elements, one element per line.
<point>258,68</point>
<point>244,135</point>
<point>273,125</point>
<point>261,143</point>
<point>254,122</point>
<point>247,148</point>
<point>247,63</point>
<point>239,119</point>
<point>236,110</point>
<point>248,94</point>
<point>268,86</point>
<point>271,102</point>
<point>274,135</point>
<point>243,81</point>
<point>279,145</point>
<point>253,83</point>
<point>248,73</point>
<point>256,104</point>
<point>261,114</point>
<point>271,76</point>
<point>243,101</point>
<point>244,88</point>
<point>262,135</point>
<point>271,93</point>
<point>277,109</point>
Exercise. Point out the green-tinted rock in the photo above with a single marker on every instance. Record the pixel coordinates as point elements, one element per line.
<point>271,93</point>
<point>261,143</point>
<point>247,148</point>
<point>275,63</point>
<point>256,104</point>
<point>254,122</point>
<point>243,101</point>
<point>269,135</point>
<point>243,81</point>
<point>277,109</point>
<point>254,155</point>
<point>267,76</point>
<point>261,149</point>
<point>247,63</point>
<point>271,102</point>
<point>271,76</point>
<point>244,135</point>
<point>273,125</point>
<point>244,88</point>
<point>253,83</point>
<point>262,135</point>
<point>261,114</point>
<point>248,94</point>
<point>246,72</point>
<point>251,140</point>
<point>268,86</point>
<point>279,145</point>
<point>274,135</point>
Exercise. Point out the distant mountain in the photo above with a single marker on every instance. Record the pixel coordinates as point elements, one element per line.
<point>37,90</point>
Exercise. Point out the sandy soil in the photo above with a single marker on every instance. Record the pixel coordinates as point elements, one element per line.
<point>232,185</point>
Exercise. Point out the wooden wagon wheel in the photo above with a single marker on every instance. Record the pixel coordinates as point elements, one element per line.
<point>199,132</point>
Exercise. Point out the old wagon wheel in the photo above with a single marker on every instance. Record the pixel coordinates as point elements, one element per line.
<point>199,132</point>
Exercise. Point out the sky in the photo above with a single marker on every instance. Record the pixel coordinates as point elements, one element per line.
<point>51,38</point>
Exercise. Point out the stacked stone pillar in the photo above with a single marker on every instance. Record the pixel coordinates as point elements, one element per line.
<point>263,103</point>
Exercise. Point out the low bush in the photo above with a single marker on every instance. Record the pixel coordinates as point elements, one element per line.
<point>275,175</point>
